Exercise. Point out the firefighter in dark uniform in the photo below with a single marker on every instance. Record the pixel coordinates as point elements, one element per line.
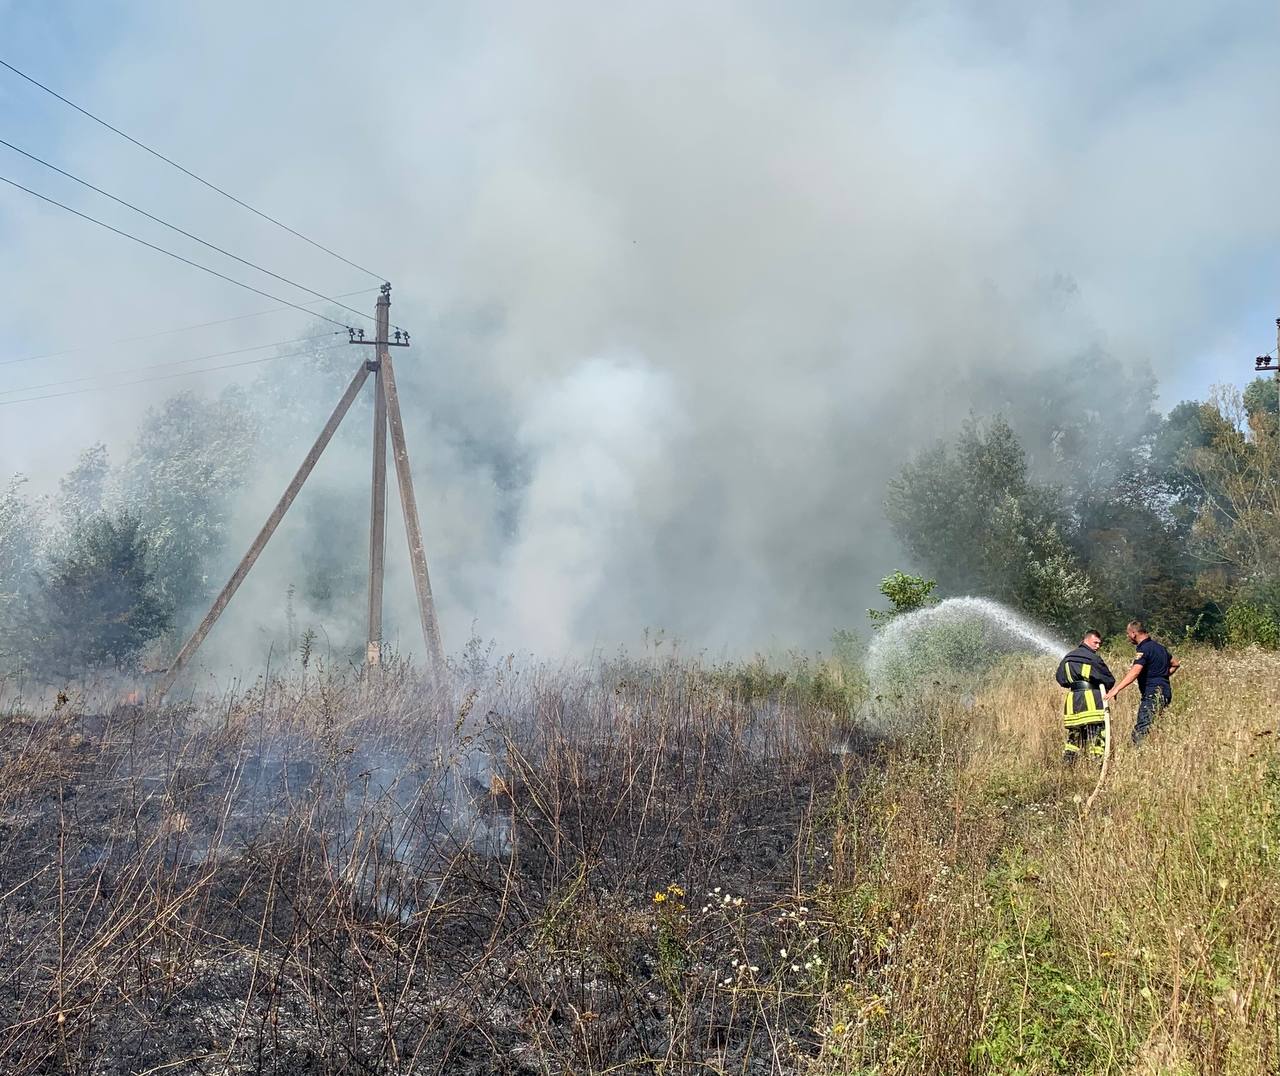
<point>1085,676</point>
<point>1152,667</point>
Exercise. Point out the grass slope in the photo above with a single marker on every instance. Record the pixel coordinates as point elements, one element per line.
<point>641,868</point>
<point>982,923</point>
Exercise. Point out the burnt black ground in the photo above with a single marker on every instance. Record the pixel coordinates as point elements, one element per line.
<point>562,887</point>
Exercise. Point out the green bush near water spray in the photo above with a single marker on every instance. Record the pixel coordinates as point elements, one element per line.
<point>835,682</point>
<point>943,655</point>
<point>951,647</point>
<point>956,654</point>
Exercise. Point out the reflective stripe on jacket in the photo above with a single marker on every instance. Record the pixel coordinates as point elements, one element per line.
<point>1085,676</point>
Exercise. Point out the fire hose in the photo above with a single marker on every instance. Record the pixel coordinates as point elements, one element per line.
<point>1106,753</point>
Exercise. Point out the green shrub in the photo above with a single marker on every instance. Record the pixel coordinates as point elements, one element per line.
<point>99,606</point>
<point>1250,624</point>
<point>950,653</point>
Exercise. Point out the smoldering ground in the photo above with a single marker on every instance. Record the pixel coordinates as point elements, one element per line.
<point>788,244</point>
<point>556,869</point>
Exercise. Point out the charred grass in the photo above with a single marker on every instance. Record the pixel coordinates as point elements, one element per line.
<point>574,872</point>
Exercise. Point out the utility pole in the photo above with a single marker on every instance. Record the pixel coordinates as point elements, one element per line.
<point>386,415</point>
<point>1264,363</point>
<point>378,508</point>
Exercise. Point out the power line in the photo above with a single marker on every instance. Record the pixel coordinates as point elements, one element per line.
<point>182,231</point>
<point>170,253</point>
<point>161,365</point>
<point>163,332</point>
<point>187,171</point>
<point>162,377</point>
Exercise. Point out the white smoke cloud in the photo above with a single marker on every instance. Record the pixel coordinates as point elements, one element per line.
<point>597,437</point>
<point>814,222</point>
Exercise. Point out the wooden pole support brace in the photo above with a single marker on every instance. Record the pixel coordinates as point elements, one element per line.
<point>413,528</point>
<point>264,535</point>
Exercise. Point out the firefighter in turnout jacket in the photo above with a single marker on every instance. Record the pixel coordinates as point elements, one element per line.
<point>1085,676</point>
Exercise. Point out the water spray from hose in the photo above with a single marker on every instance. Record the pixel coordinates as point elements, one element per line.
<point>998,627</point>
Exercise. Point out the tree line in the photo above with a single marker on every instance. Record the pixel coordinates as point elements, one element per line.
<point>1081,520</point>
<point>1071,509</point>
<point>108,571</point>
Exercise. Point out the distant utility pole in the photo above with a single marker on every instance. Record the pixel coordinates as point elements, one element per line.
<point>378,507</point>
<point>386,413</point>
<point>1264,363</point>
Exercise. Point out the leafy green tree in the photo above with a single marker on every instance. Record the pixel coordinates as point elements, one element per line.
<point>1237,480</point>
<point>1125,499</point>
<point>974,519</point>
<point>99,606</point>
<point>1167,484</point>
<point>83,491</point>
<point>906,593</point>
<point>191,459</point>
<point>1083,422</point>
<point>20,525</point>
<point>1253,624</point>
<point>1260,399</point>
<point>1134,537</point>
<point>1140,560</point>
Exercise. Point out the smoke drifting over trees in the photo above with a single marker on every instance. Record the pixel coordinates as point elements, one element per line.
<point>687,288</point>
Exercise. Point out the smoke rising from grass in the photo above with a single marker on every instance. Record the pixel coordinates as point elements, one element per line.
<point>821,233</point>
<point>598,435</point>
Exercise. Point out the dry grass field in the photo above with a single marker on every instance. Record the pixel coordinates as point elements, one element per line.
<point>640,867</point>
<point>986,924</point>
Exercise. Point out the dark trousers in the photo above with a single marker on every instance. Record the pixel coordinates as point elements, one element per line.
<point>1154,699</point>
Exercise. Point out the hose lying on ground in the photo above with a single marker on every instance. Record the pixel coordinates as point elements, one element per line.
<point>1106,755</point>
